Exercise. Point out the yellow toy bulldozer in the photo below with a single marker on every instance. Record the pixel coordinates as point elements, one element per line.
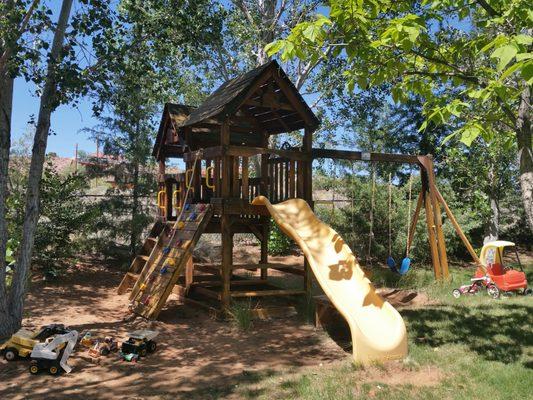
<point>22,343</point>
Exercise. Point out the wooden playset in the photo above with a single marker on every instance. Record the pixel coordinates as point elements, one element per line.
<point>220,141</point>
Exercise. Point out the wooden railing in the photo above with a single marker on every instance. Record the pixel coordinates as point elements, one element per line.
<point>282,180</point>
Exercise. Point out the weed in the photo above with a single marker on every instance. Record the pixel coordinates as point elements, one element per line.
<point>241,314</point>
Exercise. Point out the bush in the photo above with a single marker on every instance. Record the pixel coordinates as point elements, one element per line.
<point>65,218</point>
<point>278,243</point>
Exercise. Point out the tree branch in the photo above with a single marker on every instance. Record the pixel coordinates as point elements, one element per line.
<point>21,30</point>
<point>488,8</point>
<point>468,78</point>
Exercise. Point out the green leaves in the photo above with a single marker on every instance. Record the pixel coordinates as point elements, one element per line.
<point>504,55</point>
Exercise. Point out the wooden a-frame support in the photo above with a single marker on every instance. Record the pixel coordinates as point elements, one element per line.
<point>432,199</point>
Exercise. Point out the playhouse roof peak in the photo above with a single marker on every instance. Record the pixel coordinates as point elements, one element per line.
<point>265,96</point>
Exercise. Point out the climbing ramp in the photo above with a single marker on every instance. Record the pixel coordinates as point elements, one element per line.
<point>167,260</point>
<point>138,263</point>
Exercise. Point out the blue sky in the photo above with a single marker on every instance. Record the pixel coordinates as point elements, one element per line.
<point>66,121</point>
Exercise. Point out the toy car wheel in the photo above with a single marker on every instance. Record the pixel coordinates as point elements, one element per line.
<point>528,292</point>
<point>456,293</point>
<point>142,352</point>
<point>54,370</point>
<point>10,354</point>
<point>34,369</point>
<point>104,352</point>
<point>493,291</point>
<point>152,346</point>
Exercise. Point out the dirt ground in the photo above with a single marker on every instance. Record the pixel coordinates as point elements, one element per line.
<point>198,357</point>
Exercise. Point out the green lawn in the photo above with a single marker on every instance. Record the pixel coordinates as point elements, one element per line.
<point>482,349</point>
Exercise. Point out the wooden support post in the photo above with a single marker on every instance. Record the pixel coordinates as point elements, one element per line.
<point>245,185</point>
<point>227,259</point>
<point>264,248</point>
<point>263,187</point>
<point>441,244</point>
<point>161,172</point>
<point>168,199</point>
<point>226,164</point>
<point>189,274</point>
<point>430,221</point>
<point>236,190</point>
<point>308,196</point>
<point>300,179</point>
<point>197,181</point>
<point>292,179</point>
<point>414,221</point>
<point>217,177</point>
<point>225,223</point>
<point>458,229</point>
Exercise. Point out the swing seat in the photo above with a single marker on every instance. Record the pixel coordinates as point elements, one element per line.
<point>406,264</point>
<point>392,264</point>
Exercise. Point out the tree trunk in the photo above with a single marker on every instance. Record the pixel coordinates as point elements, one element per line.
<point>6,98</point>
<point>267,9</point>
<point>525,153</point>
<point>134,211</point>
<point>492,226</point>
<point>47,105</point>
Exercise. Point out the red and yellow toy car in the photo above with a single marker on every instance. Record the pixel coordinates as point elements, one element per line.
<point>505,278</point>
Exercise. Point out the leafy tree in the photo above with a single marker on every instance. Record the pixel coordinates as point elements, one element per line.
<point>470,61</point>
<point>60,79</point>
<point>129,100</point>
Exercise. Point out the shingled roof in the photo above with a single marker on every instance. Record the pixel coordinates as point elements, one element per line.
<point>178,113</point>
<point>229,97</point>
<point>263,100</point>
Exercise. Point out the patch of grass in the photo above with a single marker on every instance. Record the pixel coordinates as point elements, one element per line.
<point>482,347</point>
<point>241,314</point>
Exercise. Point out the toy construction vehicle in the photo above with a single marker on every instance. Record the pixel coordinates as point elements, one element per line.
<point>53,355</point>
<point>22,343</point>
<point>103,348</point>
<point>139,344</point>
<point>87,340</point>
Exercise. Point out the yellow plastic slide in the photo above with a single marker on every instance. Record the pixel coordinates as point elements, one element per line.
<point>378,330</point>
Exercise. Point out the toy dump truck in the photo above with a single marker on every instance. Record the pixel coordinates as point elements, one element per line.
<point>139,343</point>
<point>22,343</point>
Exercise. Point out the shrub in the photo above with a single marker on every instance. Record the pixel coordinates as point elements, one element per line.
<point>65,218</point>
<point>278,243</point>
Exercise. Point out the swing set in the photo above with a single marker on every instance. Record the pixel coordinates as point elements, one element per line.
<point>405,264</point>
<point>429,198</point>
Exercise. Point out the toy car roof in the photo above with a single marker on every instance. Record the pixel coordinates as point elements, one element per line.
<point>499,243</point>
<point>143,334</point>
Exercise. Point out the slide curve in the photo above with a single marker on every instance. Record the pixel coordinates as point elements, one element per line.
<point>378,331</point>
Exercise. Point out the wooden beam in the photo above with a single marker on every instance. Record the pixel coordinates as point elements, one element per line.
<point>430,222</point>
<point>307,144</point>
<point>459,231</point>
<point>249,151</point>
<point>264,293</point>
<point>414,221</point>
<point>244,179</point>
<point>269,104</point>
<point>362,156</point>
<point>207,153</point>
<point>427,163</point>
